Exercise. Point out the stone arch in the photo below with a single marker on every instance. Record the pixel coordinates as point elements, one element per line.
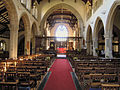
<point>34,28</point>
<point>96,30</point>
<point>113,30</point>
<point>12,13</point>
<point>32,42</point>
<point>26,21</point>
<point>110,18</point>
<point>13,27</point>
<point>27,32</point>
<point>89,40</point>
<point>98,37</point>
<point>66,6</point>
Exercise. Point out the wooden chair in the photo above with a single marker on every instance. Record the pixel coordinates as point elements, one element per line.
<point>10,81</point>
<point>95,80</point>
<point>110,86</point>
<point>110,78</point>
<point>24,79</point>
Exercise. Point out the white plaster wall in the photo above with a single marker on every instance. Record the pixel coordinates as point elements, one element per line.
<point>101,12</point>
<point>45,6</point>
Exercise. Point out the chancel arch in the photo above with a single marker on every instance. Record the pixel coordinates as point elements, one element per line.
<point>63,14</point>
<point>59,6</point>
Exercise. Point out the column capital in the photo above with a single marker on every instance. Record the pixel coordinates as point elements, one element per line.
<point>108,36</point>
<point>95,39</point>
<point>13,27</point>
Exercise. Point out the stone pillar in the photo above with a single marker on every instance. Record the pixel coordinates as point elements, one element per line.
<point>119,45</point>
<point>13,41</point>
<point>33,45</point>
<point>108,46</point>
<point>88,46</point>
<point>95,47</point>
<point>47,43</point>
<point>27,42</point>
<point>91,48</point>
<point>80,35</point>
<point>80,43</point>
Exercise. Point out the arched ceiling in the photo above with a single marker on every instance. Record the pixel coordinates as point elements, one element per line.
<point>63,16</point>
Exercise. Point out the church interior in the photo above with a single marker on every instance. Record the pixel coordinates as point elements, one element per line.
<point>59,44</point>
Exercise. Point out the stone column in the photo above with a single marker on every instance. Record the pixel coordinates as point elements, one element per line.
<point>81,35</point>
<point>33,45</point>
<point>47,43</point>
<point>95,46</point>
<point>119,45</point>
<point>81,43</point>
<point>91,47</point>
<point>13,41</point>
<point>108,46</point>
<point>88,46</point>
<point>27,42</point>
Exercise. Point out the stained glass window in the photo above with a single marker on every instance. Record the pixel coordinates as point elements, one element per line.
<point>61,33</point>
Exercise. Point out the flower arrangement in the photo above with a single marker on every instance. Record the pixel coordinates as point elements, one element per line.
<point>75,58</point>
<point>47,58</point>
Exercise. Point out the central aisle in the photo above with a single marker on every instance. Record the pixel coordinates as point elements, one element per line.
<point>60,78</point>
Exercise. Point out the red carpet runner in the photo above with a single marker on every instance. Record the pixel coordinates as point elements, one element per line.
<point>60,78</point>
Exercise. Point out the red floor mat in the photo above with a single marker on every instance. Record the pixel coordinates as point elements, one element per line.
<point>60,78</point>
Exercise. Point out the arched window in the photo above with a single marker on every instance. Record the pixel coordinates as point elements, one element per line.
<point>61,32</point>
<point>2,45</point>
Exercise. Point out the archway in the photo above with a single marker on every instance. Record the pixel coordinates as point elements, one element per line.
<point>32,43</point>
<point>98,39</point>
<point>7,23</point>
<point>116,32</point>
<point>64,14</point>
<point>89,41</point>
<point>111,25</point>
<point>21,38</point>
<point>24,29</point>
<point>59,6</point>
<point>112,30</point>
